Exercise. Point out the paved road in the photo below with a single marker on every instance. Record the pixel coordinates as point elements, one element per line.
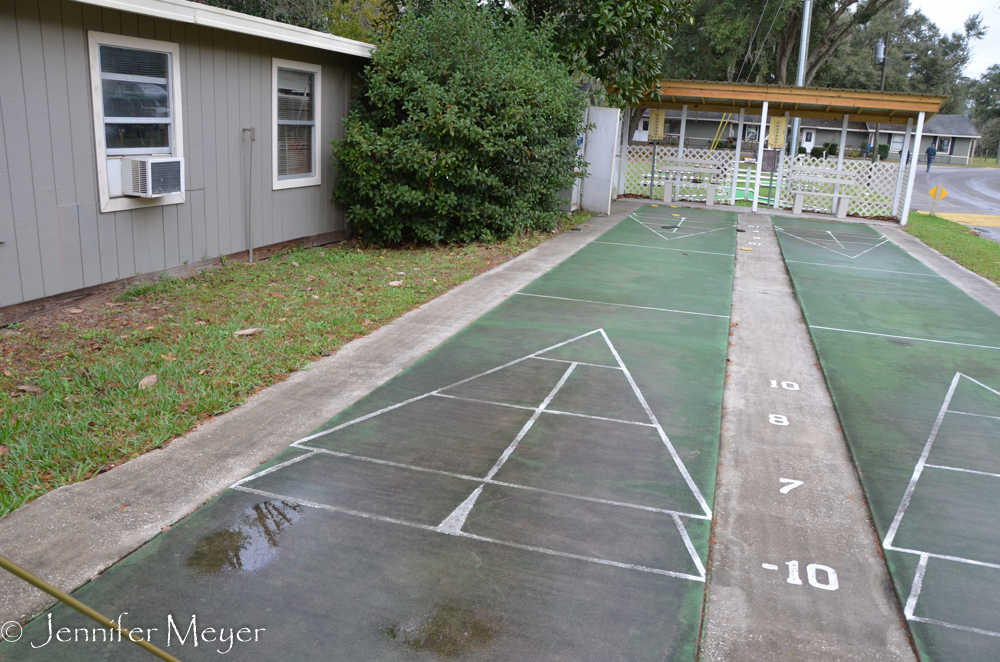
<point>970,190</point>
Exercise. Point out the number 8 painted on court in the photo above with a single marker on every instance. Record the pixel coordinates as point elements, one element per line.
<point>777,419</point>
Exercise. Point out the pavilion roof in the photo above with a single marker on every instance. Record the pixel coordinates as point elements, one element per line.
<point>805,102</point>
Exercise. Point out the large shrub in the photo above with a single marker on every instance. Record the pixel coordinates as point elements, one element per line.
<point>465,130</point>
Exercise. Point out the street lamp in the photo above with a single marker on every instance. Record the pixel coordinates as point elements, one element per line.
<point>881,60</point>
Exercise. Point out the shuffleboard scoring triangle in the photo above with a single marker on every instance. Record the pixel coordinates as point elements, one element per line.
<point>535,380</point>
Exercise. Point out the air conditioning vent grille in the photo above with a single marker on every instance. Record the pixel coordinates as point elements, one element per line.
<point>165,177</point>
<point>139,177</point>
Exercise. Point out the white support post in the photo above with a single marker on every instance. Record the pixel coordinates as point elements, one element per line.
<point>903,155</point>
<point>840,163</point>
<point>623,151</point>
<point>781,171</point>
<point>760,155</point>
<point>914,162</point>
<point>680,153</point>
<point>736,166</point>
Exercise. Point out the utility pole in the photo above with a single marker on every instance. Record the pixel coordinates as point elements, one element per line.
<point>880,59</point>
<point>800,76</point>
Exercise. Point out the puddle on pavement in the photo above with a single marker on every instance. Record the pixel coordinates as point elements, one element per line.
<point>449,630</point>
<point>250,543</point>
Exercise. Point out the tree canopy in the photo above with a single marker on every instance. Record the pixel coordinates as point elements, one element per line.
<point>465,129</point>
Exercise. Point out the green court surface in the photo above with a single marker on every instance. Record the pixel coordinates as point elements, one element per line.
<point>539,487</point>
<point>913,365</point>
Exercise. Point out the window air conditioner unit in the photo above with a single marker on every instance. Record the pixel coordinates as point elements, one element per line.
<point>152,176</point>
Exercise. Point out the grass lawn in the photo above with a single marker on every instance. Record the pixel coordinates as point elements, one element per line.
<point>957,242</point>
<point>977,162</point>
<point>71,402</point>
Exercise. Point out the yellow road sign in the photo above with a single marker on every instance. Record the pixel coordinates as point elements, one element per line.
<point>656,120</point>
<point>938,192</point>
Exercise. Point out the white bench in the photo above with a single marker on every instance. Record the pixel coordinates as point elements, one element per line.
<point>691,175</point>
<point>804,181</point>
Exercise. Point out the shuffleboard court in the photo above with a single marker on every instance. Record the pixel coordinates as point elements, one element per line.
<point>539,487</point>
<point>913,365</point>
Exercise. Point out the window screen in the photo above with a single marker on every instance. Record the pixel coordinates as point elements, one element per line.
<point>296,123</point>
<point>897,142</point>
<point>135,91</point>
<point>944,145</point>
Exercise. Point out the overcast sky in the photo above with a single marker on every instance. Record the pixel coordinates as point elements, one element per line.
<point>951,14</point>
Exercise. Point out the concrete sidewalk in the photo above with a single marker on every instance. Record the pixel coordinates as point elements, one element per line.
<point>76,532</point>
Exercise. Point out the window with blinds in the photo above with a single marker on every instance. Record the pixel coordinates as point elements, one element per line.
<point>296,124</point>
<point>136,96</point>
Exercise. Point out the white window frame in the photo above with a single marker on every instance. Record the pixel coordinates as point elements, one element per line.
<point>121,203</point>
<point>317,177</point>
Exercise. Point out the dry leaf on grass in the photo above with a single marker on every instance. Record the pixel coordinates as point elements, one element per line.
<point>248,332</point>
<point>395,283</point>
<point>4,450</point>
<point>28,388</point>
<point>113,304</point>
<point>367,322</point>
<point>75,311</point>
<point>147,381</point>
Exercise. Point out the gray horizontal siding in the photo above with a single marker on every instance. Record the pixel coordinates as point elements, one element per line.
<point>54,238</point>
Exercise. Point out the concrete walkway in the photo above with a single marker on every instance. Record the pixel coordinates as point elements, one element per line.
<point>74,533</point>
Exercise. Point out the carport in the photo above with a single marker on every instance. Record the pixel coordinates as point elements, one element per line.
<point>802,102</point>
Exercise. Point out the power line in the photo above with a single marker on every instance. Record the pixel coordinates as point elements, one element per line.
<point>764,41</point>
<point>754,36</point>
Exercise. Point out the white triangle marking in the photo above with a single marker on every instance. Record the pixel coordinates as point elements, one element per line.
<point>453,523</point>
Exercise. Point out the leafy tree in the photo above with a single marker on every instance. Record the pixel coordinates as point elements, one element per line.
<point>303,13</point>
<point>361,20</point>
<point>623,44</point>
<point>985,95</point>
<point>465,129</point>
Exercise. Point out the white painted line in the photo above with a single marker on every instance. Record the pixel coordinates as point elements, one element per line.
<point>483,402</point>
<point>590,559</point>
<point>768,566</point>
<point>622,305</point>
<point>592,365</point>
<point>690,546</point>
<point>662,248</point>
<point>954,626</point>
<point>915,587</point>
<point>479,479</point>
<point>663,435</point>
<point>847,266</point>
<point>693,234</point>
<point>967,471</point>
<point>978,383</point>
<point>851,257</point>
<point>454,522</point>
<point>531,421</point>
<point>918,469</point>
<point>425,527</point>
<point>547,411</point>
<point>835,239</point>
<point>443,388</point>
<point>965,413</point>
<point>889,335</point>
<point>273,469</point>
<point>946,557</point>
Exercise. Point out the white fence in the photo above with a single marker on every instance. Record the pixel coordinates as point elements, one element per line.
<point>871,194</point>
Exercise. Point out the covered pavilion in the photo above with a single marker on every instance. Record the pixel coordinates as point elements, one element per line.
<point>803,102</point>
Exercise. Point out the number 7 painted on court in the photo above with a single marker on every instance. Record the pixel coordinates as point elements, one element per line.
<point>792,484</point>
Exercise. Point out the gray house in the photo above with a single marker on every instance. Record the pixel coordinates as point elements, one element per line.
<point>954,136</point>
<point>154,136</point>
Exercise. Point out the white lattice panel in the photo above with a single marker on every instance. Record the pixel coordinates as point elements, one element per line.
<point>639,163</point>
<point>871,194</point>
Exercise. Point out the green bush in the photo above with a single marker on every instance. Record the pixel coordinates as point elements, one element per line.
<point>883,152</point>
<point>817,152</point>
<point>802,150</point>
<point>465,130</point>
<point>832,149</point>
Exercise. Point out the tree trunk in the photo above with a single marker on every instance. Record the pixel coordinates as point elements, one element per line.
<point>635,116</point>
